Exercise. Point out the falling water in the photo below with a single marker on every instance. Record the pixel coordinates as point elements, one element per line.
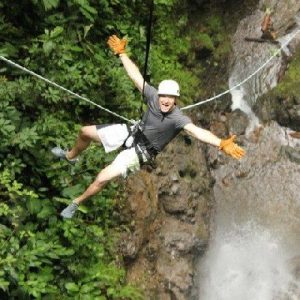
<point>251,264</point>
<point>255,247</point>
<point>254,252</point>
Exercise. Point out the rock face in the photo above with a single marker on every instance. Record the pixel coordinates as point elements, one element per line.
<point>169,209</point>
<point>285,110</point>
<point>249,57</point>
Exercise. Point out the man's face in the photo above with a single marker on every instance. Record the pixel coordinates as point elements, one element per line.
<point>166,103</point>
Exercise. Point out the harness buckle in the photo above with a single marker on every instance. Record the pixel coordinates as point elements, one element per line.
<point>143,148</point>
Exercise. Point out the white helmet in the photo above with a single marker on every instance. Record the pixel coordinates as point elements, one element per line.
<point>169,87</point>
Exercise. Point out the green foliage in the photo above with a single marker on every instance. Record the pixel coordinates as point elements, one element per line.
<point>290,83</point>
<point>213,37</point>
<point>45,256</point>
<point>206,41</point>
<point>42,256</point>
<point>48,4</point>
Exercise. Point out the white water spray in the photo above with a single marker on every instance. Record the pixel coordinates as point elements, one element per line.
<point>248,263</point>
<point>239,102</point>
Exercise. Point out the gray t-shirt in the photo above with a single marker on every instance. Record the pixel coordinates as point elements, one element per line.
<point>160,128</point>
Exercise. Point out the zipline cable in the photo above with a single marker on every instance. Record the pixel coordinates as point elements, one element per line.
<point>246,79</point>
<point>132,121</point>
<point>64,89</point>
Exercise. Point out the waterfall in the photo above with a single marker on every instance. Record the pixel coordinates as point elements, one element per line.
<point>248,262</point>
<point>254,251</point>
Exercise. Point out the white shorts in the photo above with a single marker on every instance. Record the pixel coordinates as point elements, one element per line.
<point>112,138</point>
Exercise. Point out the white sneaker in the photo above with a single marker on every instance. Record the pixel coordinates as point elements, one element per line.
<point>60,153</point>
<point>69,211</point>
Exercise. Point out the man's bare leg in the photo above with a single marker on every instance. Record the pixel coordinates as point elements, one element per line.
<point>107,174</point>
<point>87,134</point>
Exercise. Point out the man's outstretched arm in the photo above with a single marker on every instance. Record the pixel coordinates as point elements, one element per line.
<point>118,46</point>
<point>202,134</point>
<point>132,71</point>
<point>227,145</point>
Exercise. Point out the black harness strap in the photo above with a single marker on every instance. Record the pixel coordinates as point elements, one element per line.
<point>142,145</point>
<point>144,148</point>
<point>148,43</point>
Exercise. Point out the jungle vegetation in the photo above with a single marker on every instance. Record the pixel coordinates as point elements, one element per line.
<point>42,256</point>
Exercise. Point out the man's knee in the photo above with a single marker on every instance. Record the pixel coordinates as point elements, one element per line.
<point>108,173</point>
<point>102,179</point>
<point>89,133</point>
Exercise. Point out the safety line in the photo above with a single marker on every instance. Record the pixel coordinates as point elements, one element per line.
<point>132,121</point>
<point>64,89</point>
<point>245,80</point>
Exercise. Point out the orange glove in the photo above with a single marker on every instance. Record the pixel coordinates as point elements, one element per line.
<point>232,149</point>
<point>117,45</point>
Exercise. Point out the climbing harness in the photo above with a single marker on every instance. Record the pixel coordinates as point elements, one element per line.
<point>137,139</point>
<point>144,148</point>
<point>246,79</point>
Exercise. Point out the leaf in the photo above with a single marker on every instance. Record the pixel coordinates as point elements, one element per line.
<point>4,232</point>
<point>206,41</point>
<point>72,191</point>
<point>87,14</point>
<point>83,209</point>
<point>86,288</point>
<point>46,212</point>
<point>72,287</point>
<point>48,46</point>
<point>86,29</point>
<point>58,30</point>
<point>4,284</point>
<point>7,49</point>
<point>90,9</point>
<point>75,48</point>
<point>33,205</point>
<point>48,4</point>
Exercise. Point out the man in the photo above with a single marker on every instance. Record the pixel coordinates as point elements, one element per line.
<point>268,35</point>
<point>267,28</point>
<point>162,121</point>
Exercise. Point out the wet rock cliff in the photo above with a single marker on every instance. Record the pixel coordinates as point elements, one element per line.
<point>172,208</point>
<point>170,211</point>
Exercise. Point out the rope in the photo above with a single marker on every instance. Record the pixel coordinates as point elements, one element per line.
<point>148,43</point>
<point>64,89</point>
<point>132,121</point>
<point>246,79</point>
